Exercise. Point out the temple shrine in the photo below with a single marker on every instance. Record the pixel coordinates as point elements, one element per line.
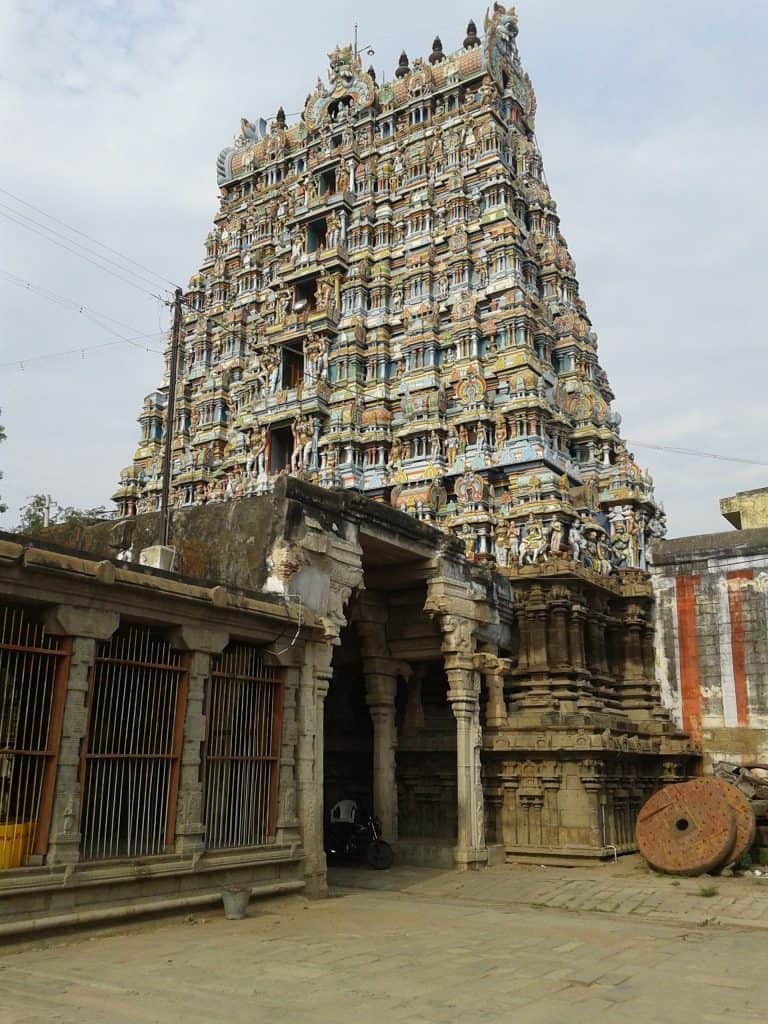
<point>387,318</point>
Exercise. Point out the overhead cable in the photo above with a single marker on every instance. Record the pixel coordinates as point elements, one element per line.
<point>90,238</point>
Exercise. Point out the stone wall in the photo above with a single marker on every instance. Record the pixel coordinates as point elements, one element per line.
<point>712,639</point>
<point>83,602</point>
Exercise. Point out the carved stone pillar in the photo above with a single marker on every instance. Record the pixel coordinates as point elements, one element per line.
<point>315,678</point>
<point>201,644</point>
<point>633,666</point>
<point>463,695</point>
<point>461,609</point>
<point>288,823</point>
<point>558,635</point>
<point>494,670</point>
<point>380,691</point>
<point>648,652</point>
<point>576,638</point>
<point>537,632</point>
<point>539,683</point>
<point>85,627</point>
<point>381,672</point>
<point>522,629</point>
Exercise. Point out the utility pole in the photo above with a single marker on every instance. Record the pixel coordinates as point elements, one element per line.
<point>165,511</point>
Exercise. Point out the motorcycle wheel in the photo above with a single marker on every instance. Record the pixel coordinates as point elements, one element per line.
<point>379,855</point>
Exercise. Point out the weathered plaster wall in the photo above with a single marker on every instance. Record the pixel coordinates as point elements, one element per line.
<point>746,510</point>
<point>712,639</point>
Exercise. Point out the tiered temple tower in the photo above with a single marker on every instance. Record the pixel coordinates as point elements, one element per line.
<point>387,303</point>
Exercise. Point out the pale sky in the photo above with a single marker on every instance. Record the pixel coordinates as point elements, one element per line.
<point>652,124</point>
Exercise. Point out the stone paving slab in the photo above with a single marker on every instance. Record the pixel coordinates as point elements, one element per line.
<point>388,956</point>
<point>628,888</point>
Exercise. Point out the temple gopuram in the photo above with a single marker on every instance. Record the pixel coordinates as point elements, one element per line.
<point>389,402</point>
<point>387,303</point>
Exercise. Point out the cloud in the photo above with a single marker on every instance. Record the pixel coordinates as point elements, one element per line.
<point>650,122</point>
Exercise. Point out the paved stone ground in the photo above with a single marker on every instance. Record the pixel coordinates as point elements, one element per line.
<point>626,888</point>
<point>430,948</point>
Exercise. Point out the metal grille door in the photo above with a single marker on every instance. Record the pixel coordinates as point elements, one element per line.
<point>130,766</point>
<point>244,714</point>
<point>33,681</point>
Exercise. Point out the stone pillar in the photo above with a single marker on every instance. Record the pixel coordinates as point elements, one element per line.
<point>494,670</point>
<point>201,644</point>
<point>315,679</point>
<point>463,613</point>
<point>381,672</point>
<point>85,627</point>
<point>558,635</point>
<point>380,690</point>
<point>288,825</point>
<point>463,696</point>
<point>539,693</point>
<point>576,639</point>
<point>633,666</point>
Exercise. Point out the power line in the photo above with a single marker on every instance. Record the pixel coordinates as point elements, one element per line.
<point>697,454</point>
<point>25,221</point>
<point>82,255</point>
<point>21,364</point>
<point>72,304</point>
<point>77,231</point>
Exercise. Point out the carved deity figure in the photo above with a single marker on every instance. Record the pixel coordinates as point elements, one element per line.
<point>255,462</point>
<point>604,554</point>
<point>324,290</point>
<point>315,359</point>
<point>463,439</point>
<point>501,545</point>
<point>513,543</point>
<point>395,452</point>
<point>270,372</point>
<point>555,537</point>
<point>624,537</point>
<point>298,246</point>
<point>436,450</point>
<point>301,428</point>
<point>283,305</point>
<point>576,541</point>
<point>452,445</point>
<point>533,546</point>
<point>468,538</point>
<point>333,235</point>
<point>500,432</point>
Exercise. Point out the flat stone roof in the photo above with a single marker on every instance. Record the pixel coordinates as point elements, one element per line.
<point>728,544</point>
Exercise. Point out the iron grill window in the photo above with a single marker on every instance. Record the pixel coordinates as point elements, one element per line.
<point>33,680</point>
<point>130,765</point>
<point>243,713</point>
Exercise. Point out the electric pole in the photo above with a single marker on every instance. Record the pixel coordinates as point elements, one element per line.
<point>165,511</point>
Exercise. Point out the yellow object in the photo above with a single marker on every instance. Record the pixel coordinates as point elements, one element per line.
<point>15,841</point>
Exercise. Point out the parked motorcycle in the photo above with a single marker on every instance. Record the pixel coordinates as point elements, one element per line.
<point>353,834</point>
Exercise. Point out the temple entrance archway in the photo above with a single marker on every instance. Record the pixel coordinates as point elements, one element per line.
<point>390,734</point>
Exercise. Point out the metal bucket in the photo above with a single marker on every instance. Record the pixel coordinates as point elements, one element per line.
<point>235,903</point>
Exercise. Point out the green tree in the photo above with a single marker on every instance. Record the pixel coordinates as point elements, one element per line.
<point>41,511</point>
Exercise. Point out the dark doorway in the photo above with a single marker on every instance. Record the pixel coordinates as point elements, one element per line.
<point>280,449</point>
<point>426,758</point>
<point>348,729</point>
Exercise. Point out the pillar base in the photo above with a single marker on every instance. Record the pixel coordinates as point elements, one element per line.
<point>316,885</point>
<point>470,860</point>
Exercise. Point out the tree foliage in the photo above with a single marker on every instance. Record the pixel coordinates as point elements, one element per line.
<point>41,511</point>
